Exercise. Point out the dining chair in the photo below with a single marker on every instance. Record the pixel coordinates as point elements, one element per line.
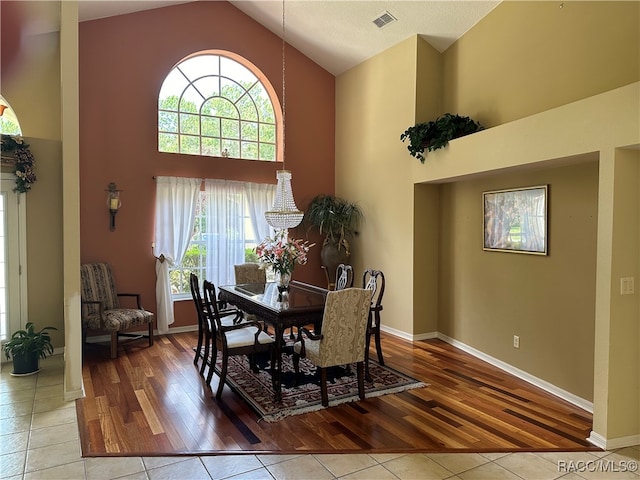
<point>246,338</point>
<point>250,273</point>
<point>373,280</point>
<point>344,277</point>
<point>205,329</point>
<point>342,342</point>
<point>102,310</point>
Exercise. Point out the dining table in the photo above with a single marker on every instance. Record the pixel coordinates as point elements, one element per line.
<point>302,305</point>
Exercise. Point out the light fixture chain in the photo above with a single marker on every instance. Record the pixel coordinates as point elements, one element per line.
<point>284,109</point>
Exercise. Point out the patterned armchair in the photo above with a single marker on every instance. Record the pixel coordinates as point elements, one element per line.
<point>250,273</point>
<point>344,326</point>
<point>101,308</point>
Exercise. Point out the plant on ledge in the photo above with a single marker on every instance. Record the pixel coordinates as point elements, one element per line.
<point>436,134</point>
<point>17,153</point>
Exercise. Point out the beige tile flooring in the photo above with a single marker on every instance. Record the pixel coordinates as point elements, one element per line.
<point>39,440</point>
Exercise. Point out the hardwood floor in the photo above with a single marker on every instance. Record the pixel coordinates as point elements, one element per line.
<point>152,401</point>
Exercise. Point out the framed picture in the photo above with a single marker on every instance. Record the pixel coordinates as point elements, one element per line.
<point>515,220</point>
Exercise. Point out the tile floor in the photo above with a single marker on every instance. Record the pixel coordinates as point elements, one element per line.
<point>39,440</point>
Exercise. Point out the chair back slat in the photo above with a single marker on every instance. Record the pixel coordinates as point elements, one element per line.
<point>97,284</point>
<point>373,280</point>
<point>344,276</point>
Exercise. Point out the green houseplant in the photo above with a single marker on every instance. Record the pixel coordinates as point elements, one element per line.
<point>26,347</point>
<point>437,134</point>
<point>337,220</point>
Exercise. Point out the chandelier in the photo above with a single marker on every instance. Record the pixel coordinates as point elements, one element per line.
<point>284,213</point>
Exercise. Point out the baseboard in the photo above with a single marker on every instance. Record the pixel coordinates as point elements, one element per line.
<point>107,338</point>
<point>527,377</point>
<point>408,336</point>
<point>613,443</point>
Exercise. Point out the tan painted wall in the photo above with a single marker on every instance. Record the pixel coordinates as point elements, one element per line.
<point>624,333</point>
<point>31,84</point>
<point>548,301</point>
<point>528,57</point>
<point>374,104</point>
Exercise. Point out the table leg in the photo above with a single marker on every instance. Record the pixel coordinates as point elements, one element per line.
<point>277,374</point>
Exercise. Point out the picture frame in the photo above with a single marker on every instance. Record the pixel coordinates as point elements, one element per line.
<point>515,220</point>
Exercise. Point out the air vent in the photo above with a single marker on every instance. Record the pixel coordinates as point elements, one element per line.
<point>384,19</point>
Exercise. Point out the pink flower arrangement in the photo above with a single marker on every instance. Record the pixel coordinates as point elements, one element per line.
<point>282,254</point>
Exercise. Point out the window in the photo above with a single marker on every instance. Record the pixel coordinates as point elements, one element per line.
<point>229,223</point>
<point>219,104</point>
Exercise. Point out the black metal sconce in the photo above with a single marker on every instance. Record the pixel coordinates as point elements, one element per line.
<point>114,203</point>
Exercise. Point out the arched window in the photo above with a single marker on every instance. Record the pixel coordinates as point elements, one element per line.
<point>9,124</point>
<point>218,104</point>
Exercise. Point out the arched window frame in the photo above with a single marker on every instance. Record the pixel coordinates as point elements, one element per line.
<point>261,78</point>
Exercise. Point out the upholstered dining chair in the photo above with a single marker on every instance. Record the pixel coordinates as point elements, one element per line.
<point>250,273</point>
<point>246,338</point>
<point>373,280</point>
<point>101,309</point>
<point>344,276</point>
<point>205,329</point>
<point>342,342</point>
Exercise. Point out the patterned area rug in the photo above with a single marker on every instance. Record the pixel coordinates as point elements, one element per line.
<point>342,385</point>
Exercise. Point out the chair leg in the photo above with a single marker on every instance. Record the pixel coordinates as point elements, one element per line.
<point>151,334</point>
<point>114,344</point>
<point>223,376</point>
<point>214,358</point>
<point>366,349</point>
<point>199,346</point>
<point>360,368</point>
<point>377,334</point>
<point>205,355</point>
<point>296,367</point>
<point>323,386</point>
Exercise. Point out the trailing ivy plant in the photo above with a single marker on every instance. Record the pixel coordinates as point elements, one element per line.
<point>436,134</point>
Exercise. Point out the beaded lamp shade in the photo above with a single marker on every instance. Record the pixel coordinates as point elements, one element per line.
<point>284,213</point>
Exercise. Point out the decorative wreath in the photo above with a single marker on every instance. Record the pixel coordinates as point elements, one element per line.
<point>16,152</point>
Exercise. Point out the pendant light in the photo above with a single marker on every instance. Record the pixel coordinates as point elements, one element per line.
<point>284,213</point>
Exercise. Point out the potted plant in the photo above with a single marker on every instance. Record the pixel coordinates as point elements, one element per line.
<point>26,347</point>
<point>337,220</point>
<point>436,134</point>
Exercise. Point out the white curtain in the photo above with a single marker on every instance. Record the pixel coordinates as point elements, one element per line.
<point>175,216</point>
<point>260,197</point>
<point>225,242</point>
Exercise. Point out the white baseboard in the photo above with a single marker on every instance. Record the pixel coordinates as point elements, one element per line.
<point>527,377</point>
<point>107,338</point>
<point>613,443</point>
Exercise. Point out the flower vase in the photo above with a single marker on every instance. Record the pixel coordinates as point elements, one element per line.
<point>283,285</point>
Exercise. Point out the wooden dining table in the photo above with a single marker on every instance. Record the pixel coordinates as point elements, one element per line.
<point>303,305</point>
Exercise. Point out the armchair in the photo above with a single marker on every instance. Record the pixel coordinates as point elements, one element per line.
<point>101,308</point>
<point>342,342</point>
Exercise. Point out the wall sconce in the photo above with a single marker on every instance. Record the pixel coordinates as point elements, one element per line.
<point>114,203</point>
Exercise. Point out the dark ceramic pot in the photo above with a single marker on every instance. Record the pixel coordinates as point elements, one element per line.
<point>26,364</point>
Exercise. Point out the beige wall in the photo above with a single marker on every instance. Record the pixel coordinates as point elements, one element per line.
<point>519,71</point>
<point>548,301</point>
<point>32,87</point>
<point>367,134</point>
<point>528,57</point>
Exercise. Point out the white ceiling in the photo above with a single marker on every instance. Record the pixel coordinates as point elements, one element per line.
<point>338,34</point>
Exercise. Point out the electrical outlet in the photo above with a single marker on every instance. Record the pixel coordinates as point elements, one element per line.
<point>516,341</point>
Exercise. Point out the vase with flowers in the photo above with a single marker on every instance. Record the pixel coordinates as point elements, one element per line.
<point>282,254</point>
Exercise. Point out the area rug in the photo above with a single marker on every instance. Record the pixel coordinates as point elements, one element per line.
<point>342,385</point>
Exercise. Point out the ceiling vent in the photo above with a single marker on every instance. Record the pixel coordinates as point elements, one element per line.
<point>384,19</point>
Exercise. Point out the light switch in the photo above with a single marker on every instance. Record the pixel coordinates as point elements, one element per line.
<point>627,286</point>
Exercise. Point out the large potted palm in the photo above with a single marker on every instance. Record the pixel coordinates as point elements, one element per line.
<point>337,220</point>
<point>26,348</point>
